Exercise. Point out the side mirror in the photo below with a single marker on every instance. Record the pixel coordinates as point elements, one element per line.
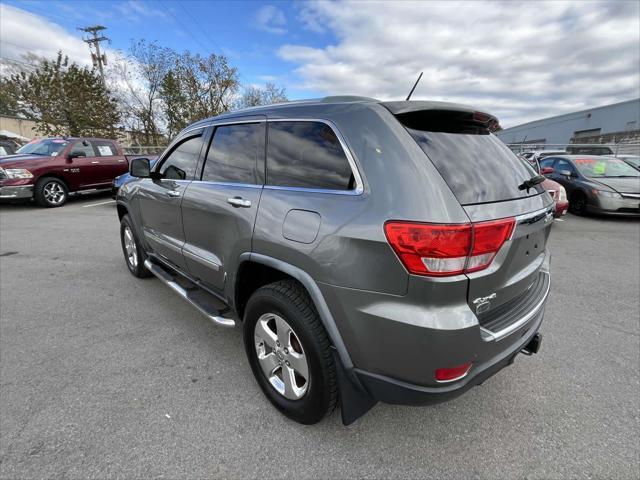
<point>547,170</point>
<point>566,173</point>
<point>77,154</point>
<point>139,167</point>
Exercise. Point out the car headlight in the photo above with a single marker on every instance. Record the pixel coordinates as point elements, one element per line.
<point>18,173</point>
<point>607,194</point>
<point>563,194</point>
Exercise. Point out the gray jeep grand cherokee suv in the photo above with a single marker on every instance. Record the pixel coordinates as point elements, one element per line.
<point>372,251</point>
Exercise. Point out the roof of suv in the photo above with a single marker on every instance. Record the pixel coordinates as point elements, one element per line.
<point>395,107</point>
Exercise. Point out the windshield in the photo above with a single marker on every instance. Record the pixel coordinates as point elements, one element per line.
<point>605,167</point>
<point>48,146</point>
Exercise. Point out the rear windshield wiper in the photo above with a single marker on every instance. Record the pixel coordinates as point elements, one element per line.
<point>532,182</point>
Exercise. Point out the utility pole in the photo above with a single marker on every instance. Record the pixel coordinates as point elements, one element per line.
<point>98,59</point>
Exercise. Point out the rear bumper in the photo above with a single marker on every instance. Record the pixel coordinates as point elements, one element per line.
<point>390,390</point>
<point>14,192</point>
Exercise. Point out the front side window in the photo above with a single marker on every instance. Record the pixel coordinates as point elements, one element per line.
<point>307,155</point>
<point>233,153</point>
<point>84,147</point>
<point>181,163</point>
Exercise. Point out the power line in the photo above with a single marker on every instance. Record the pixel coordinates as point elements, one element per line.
<point>99,59</point>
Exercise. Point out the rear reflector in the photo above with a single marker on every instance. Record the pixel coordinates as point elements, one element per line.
<point>442,250</point>
<point>453,373</point>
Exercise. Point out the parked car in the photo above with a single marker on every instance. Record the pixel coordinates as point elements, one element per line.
<point>588,150</point>
<point>596,184</point>
<point>557,192</point>
<point>379,270</point>
<point>126,178</point>
<point>7,148</point>
<point>633,160</point>
<point>51,169</point>
<point>538,155</point>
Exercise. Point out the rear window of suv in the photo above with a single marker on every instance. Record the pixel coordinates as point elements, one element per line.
<point>477,166</point>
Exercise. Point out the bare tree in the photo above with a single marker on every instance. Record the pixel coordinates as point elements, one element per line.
<point>254,96</point>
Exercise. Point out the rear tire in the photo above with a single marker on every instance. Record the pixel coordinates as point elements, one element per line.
<point>578,204</point>
<point>282,313</point>
<point>51,192</point>
<point>134,256</point>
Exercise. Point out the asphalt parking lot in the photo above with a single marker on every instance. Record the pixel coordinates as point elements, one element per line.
<point>105,375</point>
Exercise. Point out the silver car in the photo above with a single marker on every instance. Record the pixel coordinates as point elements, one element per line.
<point>370,251</point>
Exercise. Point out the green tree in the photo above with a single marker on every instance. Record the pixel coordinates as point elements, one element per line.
<point>63,99</point>
<point>197,87</point>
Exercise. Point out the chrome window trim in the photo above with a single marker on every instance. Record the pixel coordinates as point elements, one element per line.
<point>343,144</point>
<point>228,184</point>
<point>345,148</point>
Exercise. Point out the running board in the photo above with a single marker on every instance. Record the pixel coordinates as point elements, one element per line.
<point>195,296</point>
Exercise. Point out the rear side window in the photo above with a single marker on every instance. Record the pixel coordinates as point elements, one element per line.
<point>478,167</point>
<point>104,148</point>
<point>307,155</point>
<point>233,153</point>
<point>181,163</point>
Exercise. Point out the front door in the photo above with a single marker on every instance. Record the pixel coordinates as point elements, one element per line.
<point>83,170</point>
<point>160,198</point>
<point>219,209</point>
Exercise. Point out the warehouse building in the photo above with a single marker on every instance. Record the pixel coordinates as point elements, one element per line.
<point>615,125</point>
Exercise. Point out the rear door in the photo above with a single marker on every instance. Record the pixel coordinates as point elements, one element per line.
<point>219,208</point>
<point>160,198</point>
<point>487,179</point>
<point>112,163</point>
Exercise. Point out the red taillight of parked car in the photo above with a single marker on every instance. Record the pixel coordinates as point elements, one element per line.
<point>442,250</point>
<point>453,373</point>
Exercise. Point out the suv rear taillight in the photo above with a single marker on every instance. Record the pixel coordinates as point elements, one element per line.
<point>440,250</point>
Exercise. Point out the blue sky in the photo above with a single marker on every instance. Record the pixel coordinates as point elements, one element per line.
<point>519,60</point>
<point>248,32</point>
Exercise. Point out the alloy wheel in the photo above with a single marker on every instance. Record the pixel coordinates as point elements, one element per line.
<point>54,193</point>
<point>130,247</point>
<point>281,356</point>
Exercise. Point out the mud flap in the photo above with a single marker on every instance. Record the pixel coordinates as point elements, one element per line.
<point>355,400</point>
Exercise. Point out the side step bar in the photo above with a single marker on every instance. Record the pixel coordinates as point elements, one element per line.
<point>195,297</point>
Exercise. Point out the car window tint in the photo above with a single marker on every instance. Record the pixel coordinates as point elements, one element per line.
<point>181,163</point>
<point>81,147</point>
<point>3,151</point>
<point>307,155</point>
<point>104,148</point>
<point>564,165</point>
<point>547,162</point>
<point>233,153</point>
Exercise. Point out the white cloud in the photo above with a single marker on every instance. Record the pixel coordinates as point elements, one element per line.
<point>22,32</point>
<point>271,19</point>
<point>520,61</point>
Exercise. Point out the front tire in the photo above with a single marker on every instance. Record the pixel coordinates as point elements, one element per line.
<point>51,192</point>
<point>134,256</point>
<point>578,204</point>
<point>289,352</point>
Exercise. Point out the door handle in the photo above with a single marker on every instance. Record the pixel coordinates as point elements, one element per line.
<point>173,193</point>
<point>95,161</point>
<point>239,202</point>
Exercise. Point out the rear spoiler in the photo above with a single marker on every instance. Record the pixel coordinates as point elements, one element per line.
<point>443,117</point>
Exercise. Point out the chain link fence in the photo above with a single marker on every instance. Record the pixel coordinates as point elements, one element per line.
<point>611,149</point>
